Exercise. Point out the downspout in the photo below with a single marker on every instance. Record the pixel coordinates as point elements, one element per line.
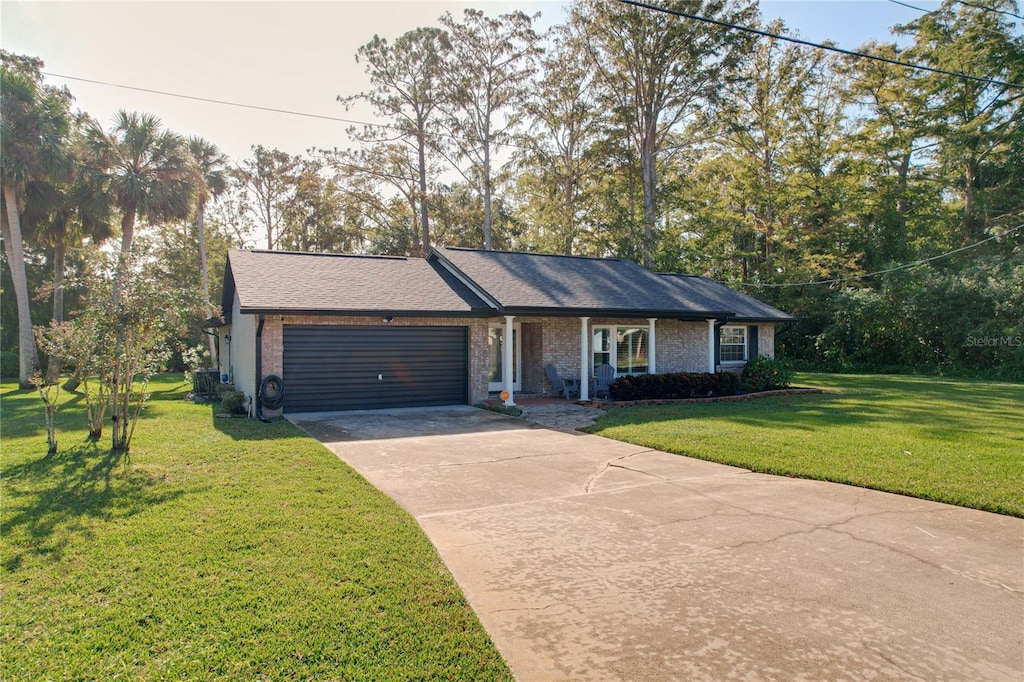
<point>215,360</point>
<point>259,367</point>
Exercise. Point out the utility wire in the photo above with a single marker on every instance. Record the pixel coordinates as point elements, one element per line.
<point>256,107</point>
<point>905,266</point>
<point>930,11</point>
<point>819,46</point>
<point>991,9</point>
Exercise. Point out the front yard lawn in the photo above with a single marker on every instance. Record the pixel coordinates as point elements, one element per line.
<point>954,441</point>
<point>223,549</point>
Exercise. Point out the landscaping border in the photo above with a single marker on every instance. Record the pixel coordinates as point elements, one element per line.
<point>683,401</point>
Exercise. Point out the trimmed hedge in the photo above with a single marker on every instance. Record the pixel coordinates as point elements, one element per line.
<point>10,365</point>
<point>674,386</point>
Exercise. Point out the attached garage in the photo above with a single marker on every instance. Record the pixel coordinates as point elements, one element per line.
<point>329,368</point>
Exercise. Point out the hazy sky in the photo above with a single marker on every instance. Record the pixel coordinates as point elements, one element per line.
<point>287,55</point>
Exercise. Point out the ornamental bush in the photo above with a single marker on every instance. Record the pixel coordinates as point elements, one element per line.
<point>766,374</point>
<point>673,386</point>
<point>9,364</point>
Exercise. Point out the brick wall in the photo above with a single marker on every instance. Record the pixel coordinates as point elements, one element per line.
<point>766,340</point>
<point>682,346</point>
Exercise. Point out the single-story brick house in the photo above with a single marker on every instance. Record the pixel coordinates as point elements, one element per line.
<point>362,332</point>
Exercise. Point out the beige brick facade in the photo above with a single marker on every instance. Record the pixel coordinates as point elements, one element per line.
<point>681,346</point>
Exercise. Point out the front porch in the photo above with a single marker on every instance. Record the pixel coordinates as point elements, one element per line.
<point>629,345</point>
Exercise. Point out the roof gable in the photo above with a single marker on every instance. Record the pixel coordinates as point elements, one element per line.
<point>283,281</point>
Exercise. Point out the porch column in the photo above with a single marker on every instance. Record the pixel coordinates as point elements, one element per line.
<point>508,366</point>
<point>652,347</point>
<point>584,359</point>
<point>711,346</point>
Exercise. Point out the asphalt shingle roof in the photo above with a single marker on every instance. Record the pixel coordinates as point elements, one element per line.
<point>525,282</point>
<point>469,282</point>
<point>708,292</point>
<point>278,281</point>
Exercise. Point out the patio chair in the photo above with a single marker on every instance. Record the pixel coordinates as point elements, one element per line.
<point>604,375</point>
<point>565,388</point>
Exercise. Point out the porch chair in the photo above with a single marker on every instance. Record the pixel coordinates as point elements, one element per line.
<point>604,375</point>
<point>561,387</point>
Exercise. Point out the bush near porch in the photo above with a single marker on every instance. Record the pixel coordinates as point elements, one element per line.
<point>673,386</point>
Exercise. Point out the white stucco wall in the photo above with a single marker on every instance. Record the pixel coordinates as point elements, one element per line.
<point>243,351</point>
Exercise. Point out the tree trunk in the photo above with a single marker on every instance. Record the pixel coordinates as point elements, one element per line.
<point>205,274</point>
<point>648,161</point>
<point>967,225</point>
<point>59,256</point>
<point>487,195</point>
<point>424,218</point>
<point>28,357</point>
<point>127,231</point>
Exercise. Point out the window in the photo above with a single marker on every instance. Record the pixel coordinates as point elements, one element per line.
<point>624,348</point>
<point>734,344</point>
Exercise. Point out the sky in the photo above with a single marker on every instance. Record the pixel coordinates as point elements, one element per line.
<point>297,56</point>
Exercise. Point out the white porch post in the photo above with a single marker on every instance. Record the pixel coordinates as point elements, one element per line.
<point>584,359</point>
<point>508,366</point>
<point>652,347</point>
<point>711,346</point>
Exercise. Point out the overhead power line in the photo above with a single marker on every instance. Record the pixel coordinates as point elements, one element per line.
<point>990,9</point>
<point>987,29</point>
<point>256,107</point>
<point>820,46</point>
<point>905,266</point>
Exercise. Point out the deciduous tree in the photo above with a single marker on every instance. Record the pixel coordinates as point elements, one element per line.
<point>487,79</point>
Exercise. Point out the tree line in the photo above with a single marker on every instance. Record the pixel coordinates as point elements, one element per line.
<point>791,173</point>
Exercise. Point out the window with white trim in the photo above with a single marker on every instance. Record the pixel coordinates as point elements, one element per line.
<point>733,346</point>
<point>624,348</point>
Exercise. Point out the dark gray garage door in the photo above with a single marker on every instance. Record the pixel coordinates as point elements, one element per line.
<point>364,368</point>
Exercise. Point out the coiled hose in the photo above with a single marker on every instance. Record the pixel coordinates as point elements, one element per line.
<point>270,395</point>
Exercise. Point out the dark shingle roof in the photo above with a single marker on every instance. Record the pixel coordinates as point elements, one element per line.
<point>280,281</point>
<point>712,294</point>
<point>523,282</point>
<point>469,282</point>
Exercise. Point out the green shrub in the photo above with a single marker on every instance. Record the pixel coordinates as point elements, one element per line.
<point>673,386</point>
<point>232,401</point>
<point>9,364</point>
<point>766,374</point>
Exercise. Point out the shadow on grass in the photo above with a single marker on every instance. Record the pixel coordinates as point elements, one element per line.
<point>50,498</point>
<point>240,427</point>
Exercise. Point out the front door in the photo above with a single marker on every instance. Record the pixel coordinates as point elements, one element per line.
<point>496,358</point>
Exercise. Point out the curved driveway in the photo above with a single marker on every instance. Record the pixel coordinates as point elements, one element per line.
<point>586,558</point>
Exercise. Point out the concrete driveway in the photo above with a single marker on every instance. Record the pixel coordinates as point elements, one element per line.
<point>586,558</point>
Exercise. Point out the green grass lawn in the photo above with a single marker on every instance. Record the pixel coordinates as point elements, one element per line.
<point>223,549</point>
<point>953,441</point>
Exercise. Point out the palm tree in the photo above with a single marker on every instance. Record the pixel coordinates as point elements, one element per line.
<point>34,124</point>
<point>211,182</point>
<point>147,170</point>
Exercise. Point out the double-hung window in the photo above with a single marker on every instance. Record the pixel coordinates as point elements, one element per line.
<point>624,348</point>
<point>734,344</point>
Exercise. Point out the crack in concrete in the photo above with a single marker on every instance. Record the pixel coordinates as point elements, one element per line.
<point>524,608</point>
<point>611,464</point>
<point>888,659</point>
